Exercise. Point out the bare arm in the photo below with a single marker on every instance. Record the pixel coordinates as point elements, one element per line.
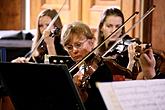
<point>49,43</point>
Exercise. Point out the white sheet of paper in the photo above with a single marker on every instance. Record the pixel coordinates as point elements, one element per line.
<point>133,95</point>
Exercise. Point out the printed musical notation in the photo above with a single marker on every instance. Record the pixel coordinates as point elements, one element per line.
<point>133,95</point>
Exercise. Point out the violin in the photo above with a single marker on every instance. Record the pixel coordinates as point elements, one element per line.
<point>119,73</point>
<point>139,49</point>
<point>92,68</point>
<point>121,47</point>
<point>119,52</point>
<point>6,103</point>
<point>86,70</point>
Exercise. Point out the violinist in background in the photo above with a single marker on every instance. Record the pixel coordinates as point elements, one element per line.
<point>51,43</point>
<point>78,40</point>
<point>111,19</point>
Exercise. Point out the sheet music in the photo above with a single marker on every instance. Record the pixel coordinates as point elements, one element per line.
<point>134,95</point>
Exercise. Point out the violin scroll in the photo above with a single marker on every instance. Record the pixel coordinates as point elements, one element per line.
<point>55,32</point>
<point>141,48</point>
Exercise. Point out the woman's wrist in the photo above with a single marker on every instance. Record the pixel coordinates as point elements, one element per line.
<point>51,49</point>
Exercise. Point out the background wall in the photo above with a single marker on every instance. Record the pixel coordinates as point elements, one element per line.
<point>12,14</point>
<point>151,30</point>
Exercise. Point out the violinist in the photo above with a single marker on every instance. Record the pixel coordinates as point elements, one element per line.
<point>111,19</point>
<point>51,43</point>
<point>78,40</point>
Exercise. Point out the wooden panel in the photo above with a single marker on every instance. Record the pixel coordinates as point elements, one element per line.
<point>127,9</point>
<point>70,12</point>
<point>76,10</point>
<point>106,2</point>
<point>158,28</point>
<point>39,5</point>
<point>57,4</point>
<point>158,25</point>
<point>12,15</point>
<point>91,10</point>
<point>34,5</point>
<point>137,32</point>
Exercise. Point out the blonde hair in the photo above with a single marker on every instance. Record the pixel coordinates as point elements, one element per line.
<point>77,28</point>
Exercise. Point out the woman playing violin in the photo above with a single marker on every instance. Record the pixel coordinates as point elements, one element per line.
<point>111,19</point>
<point>51,43</point>
<point>78,40</point>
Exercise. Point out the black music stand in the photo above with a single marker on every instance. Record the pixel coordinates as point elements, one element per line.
<point>40,86</point>
<point>61,60</point>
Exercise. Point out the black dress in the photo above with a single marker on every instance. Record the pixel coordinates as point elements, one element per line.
<point>95,100</point>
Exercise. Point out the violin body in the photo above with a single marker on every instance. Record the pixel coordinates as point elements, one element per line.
<point>99,70</point>
<point>95,65</point>
<point>119,72</point>
<point>6,103</point>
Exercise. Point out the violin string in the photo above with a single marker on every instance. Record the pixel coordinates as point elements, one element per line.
<point>29,54</point>
<point>137,22</point>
